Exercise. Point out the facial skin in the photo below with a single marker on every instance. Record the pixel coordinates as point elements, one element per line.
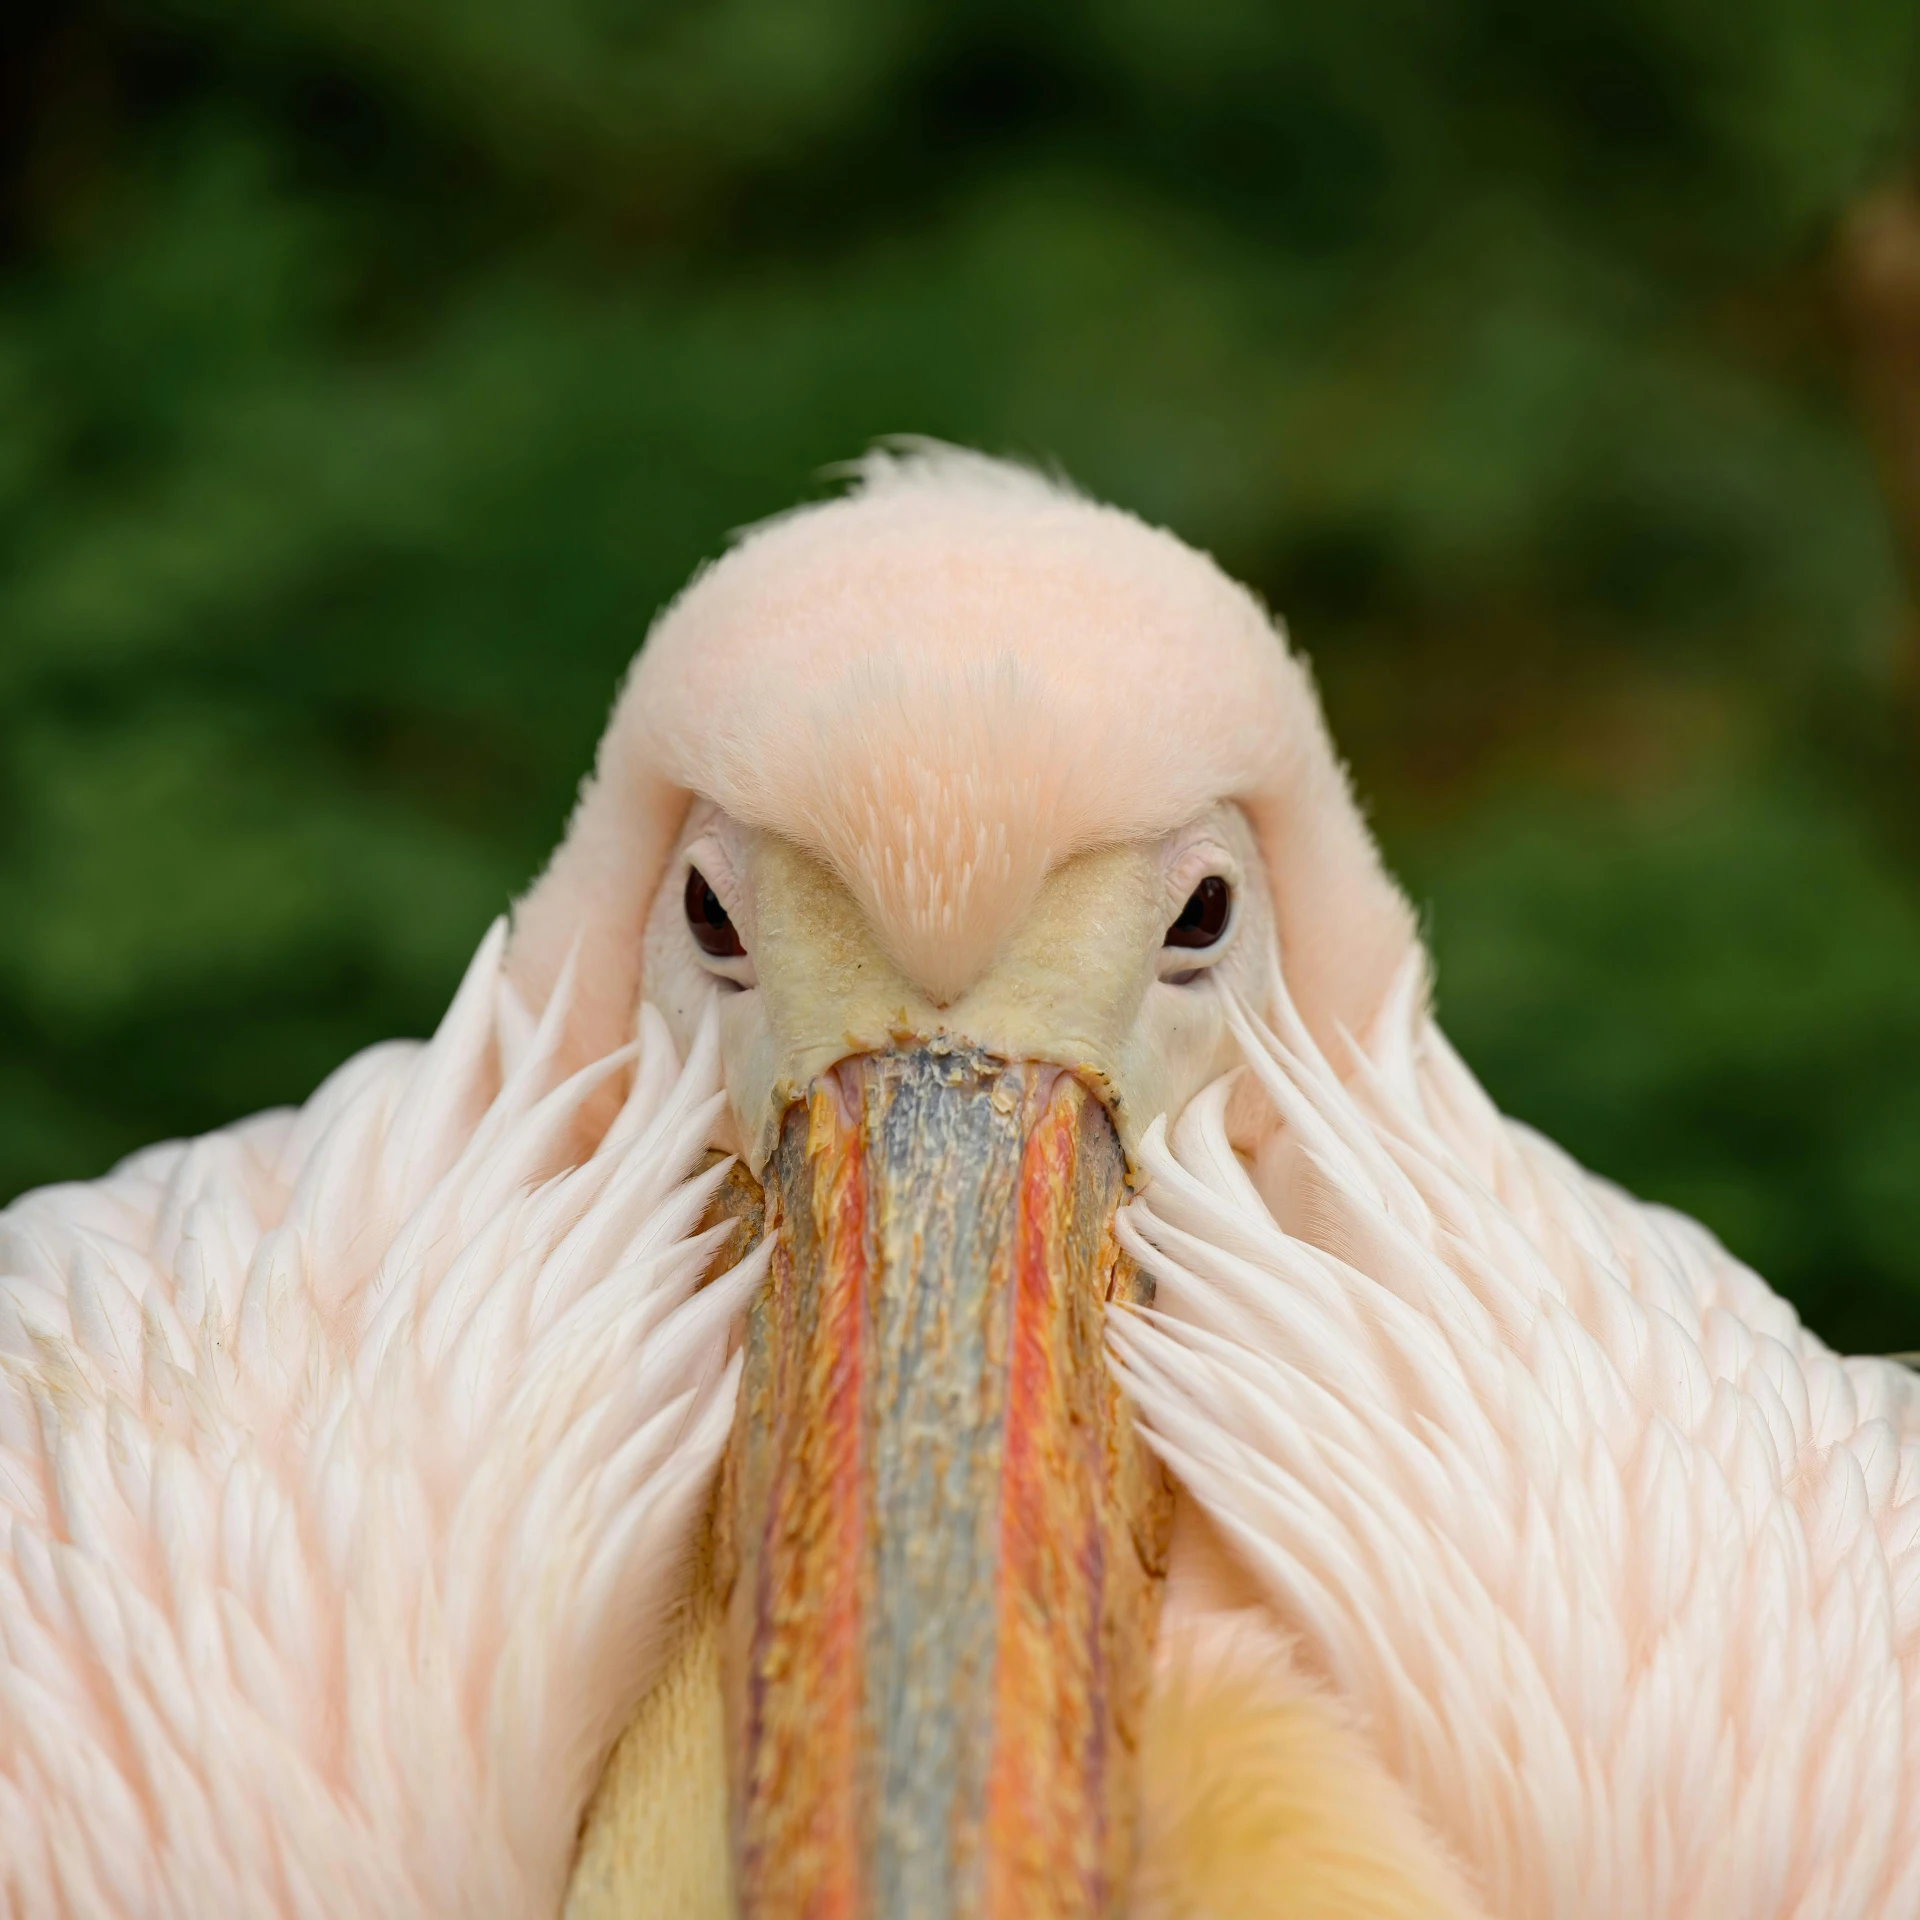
<point>1087,981</point>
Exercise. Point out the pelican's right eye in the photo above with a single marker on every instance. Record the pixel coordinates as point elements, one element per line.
<point>1204,918</point>
<point>1200,932</point>
<point>712,927</point>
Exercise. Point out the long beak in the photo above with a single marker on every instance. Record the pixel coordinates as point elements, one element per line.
<point>943,1540</point>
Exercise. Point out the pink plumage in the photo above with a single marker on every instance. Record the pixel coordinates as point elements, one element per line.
<point>348,1460</point>
<point>1617,1564</point>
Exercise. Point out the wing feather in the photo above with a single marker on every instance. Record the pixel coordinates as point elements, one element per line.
<point>349,1463</point>
<point>1612,1560</point>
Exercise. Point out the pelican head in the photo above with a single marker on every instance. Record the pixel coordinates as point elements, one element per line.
<point>963,796</point>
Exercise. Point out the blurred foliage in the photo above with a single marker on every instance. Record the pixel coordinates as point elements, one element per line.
<point>371,369</point>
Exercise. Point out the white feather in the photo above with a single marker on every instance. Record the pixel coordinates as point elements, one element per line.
<point>1616,1565</point>
<point>348,1460</point>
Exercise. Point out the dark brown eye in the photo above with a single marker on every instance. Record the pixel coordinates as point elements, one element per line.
<point>1204,918</point>
<point>709,920</point>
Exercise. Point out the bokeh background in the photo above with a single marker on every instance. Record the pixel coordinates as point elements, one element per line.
<point>370,370</point>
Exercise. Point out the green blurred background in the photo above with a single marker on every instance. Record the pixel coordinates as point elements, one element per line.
<point>370,370</point>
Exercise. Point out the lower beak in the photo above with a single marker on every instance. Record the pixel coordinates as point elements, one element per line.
<point>943,1541</point>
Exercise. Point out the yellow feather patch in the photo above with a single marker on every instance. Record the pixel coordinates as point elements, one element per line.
<point>1258,1803</point>
<point>654,1843</point>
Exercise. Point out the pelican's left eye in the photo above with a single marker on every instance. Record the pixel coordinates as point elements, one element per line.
<point>712,926</point>
<point>1203,920</point>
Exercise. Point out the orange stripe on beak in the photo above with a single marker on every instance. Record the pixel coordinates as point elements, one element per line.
<point>1049,1851</point>
<point>943,1540</point>
<point>802,1706</point>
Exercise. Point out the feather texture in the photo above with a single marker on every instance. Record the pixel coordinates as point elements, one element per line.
<point>1614,1564</point>
<point>349,1461</point>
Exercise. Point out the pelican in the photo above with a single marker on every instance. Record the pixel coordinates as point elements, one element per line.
<point>938,1334</point>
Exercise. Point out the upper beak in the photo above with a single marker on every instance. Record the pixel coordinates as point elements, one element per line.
<point>941,1543</point>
